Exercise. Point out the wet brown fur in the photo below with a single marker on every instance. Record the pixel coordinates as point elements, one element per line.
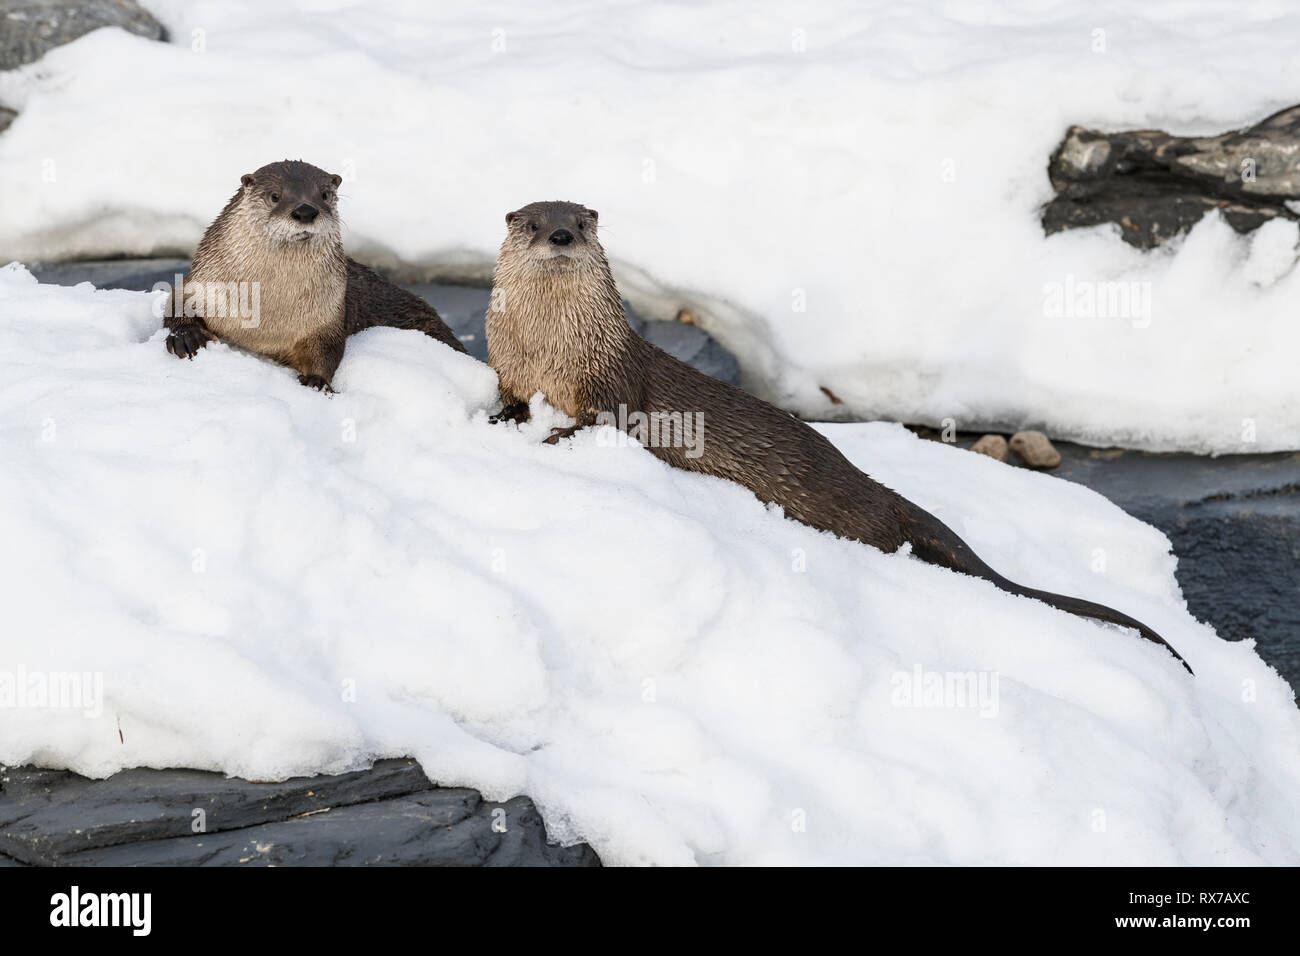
<point>312,296</point>
<point>556,325</point>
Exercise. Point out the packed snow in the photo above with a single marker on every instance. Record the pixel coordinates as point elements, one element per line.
<point>266,581</point>
<point>846,195</point>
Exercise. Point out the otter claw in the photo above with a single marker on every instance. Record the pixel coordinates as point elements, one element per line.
<point>316,382</point>
<point>558,433</point>
<point>186,342</point>
<point>517,413</point>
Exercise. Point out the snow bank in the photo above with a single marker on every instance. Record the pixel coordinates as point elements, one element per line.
<point>271,582</point>
<point>847,195</point>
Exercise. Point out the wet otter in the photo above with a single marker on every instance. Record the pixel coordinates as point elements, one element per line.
<point>557,326</point>
<point>270,276</point>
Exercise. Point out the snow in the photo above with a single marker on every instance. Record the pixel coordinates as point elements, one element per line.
<point>846,195</point>
<point>271,582</point>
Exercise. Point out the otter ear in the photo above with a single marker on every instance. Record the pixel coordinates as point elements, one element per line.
<point>593,214</point>
<point>336,180</point>
<point>246,179</point>
<point>511,217</point>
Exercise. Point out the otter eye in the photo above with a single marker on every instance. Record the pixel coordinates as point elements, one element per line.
<point>325,195</point>
<point>581,225</point>
<point>275,197</point>
<point>532,227</point>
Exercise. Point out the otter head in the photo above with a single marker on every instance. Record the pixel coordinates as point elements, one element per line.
<point>553,236</point>
<point>294,200</point>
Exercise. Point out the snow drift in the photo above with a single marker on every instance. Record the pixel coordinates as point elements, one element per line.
<point>847,196</point>
<point>271,582</point>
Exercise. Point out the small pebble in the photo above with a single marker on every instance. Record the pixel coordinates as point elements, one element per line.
<point>1035,450</point>
<point>995,446</point>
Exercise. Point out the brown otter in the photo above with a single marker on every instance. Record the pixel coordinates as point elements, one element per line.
<point>270,276</point>
<point>557,326</point>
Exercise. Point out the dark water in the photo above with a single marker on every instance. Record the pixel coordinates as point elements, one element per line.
<point>1234,522</point>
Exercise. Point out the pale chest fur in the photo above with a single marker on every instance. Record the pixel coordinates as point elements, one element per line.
<point>544,343</point>
<point>526,366</point>
<point>274,295</point>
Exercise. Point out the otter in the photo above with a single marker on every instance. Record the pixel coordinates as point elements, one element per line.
<point>557,326</point>
<point>270,276</point>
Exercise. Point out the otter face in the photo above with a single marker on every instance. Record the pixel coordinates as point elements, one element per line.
<point>298,200</point>
<point>556,233</point>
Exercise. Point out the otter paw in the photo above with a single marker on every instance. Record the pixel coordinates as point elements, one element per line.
<point>316,382</point>
<point>517,413</point>
<point>558,433</point>
<point>186,341</point>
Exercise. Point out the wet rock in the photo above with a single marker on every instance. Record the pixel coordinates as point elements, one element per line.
<point>694,346</point>
<point>1155,186</point>
<point>390,814</point>
<point>138,275</point>
<point>1035,449</point>
<point>28,28</point>
<point>463,308</point>
<point>995,446</point>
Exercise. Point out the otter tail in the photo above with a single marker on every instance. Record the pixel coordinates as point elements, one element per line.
<point>946,549</point>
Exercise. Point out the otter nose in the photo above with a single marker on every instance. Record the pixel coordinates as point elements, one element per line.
<point>561,237</point>
<point>305,213</point>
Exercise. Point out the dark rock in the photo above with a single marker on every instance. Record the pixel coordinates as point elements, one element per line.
<point>1156,186</point>
<point>464,309</point>
<point>31,27</point>
<point>390,814</point>
<point>695,347</point>
<point>137,275</point>
<point>144,805</point>
<point>7,116</point>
